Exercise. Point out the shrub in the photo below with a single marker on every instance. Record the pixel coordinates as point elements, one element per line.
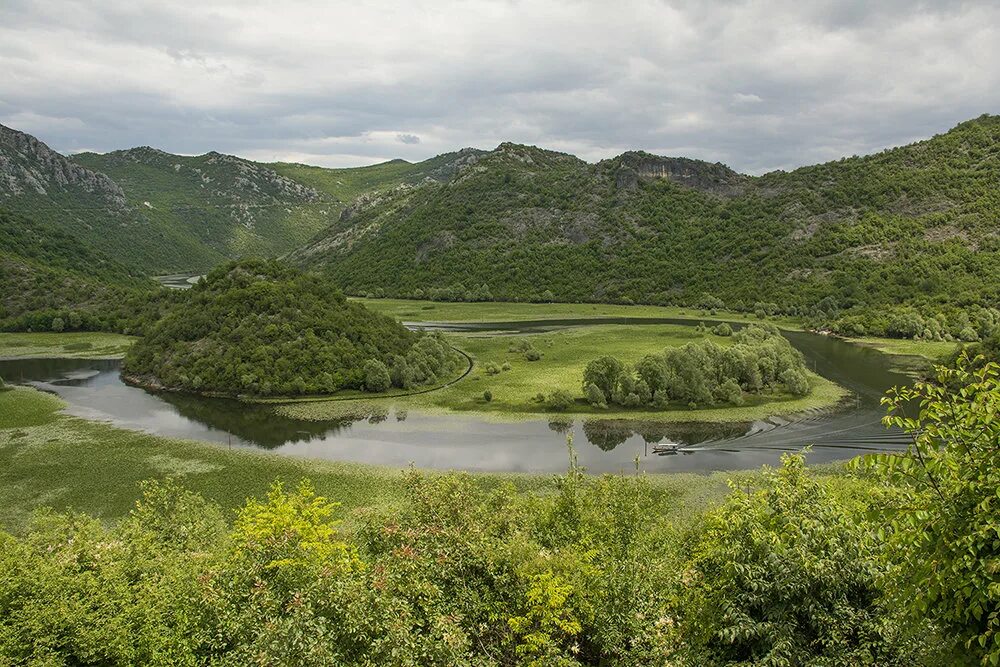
<point>532,355</point>
<point>595,396</point>
<point>723,329</point>
<point>785,574</point>
<point>487,395</point>
<point>944,524</point>
<point>560,400</point>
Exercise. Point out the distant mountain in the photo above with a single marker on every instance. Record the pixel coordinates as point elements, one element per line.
<point>223,205</point>
<point>917,224</point>
<point>158,212</point>
<point>348,183</point>
<point>50,188</point>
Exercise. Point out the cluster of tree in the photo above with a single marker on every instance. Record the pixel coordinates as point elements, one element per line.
<point>262,328</point>
<point>946,324</point>
<point>700,373</point>
<point>890,565</point>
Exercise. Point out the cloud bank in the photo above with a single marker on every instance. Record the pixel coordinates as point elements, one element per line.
<point>757,85</point>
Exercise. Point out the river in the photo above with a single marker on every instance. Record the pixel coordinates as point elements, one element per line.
<point>93,390</point>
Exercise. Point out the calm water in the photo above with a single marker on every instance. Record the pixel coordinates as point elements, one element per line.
<point>93,390</point>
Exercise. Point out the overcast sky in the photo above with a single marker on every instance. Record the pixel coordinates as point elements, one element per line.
<point>757,85</point>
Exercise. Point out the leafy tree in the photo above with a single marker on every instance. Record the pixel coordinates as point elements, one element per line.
<point>560,400</point>
<point>785,574</point>
<point>595,396</point>
<point>604,373</point>
<point>796,381</point>
<point>58,324</point>
<point>723,329</point>
<point>944,524</point>
<point>376,376</point>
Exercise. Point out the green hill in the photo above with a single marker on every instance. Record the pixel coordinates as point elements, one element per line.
<point>46,187</point>
<point>916,224</point>
<point>228,207</point>
<point>261,328</point>
<point>346,184</point>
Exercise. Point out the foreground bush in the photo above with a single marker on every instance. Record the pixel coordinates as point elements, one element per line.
<point>465,571</point>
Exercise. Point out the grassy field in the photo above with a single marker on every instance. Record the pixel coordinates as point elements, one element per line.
<point>48,459</point>
<point>928,349</point>
<point>493,311</point>
<point>79,345</point>
<point>565,353</point>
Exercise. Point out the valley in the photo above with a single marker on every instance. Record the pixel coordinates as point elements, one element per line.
<point>544,368</point>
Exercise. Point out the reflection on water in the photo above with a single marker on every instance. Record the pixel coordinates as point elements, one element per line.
<point>392,437</point>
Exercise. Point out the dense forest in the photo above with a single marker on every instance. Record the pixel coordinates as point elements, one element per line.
<point>261,328</point>
<point>844,243</point>
<point>892,562</point>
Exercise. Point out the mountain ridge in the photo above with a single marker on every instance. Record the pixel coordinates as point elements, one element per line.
<point>912,224</point>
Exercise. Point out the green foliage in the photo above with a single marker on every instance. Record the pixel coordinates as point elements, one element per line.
<point>943,525</point>
<point>376,376</point>
<point>261,328</point>
<point>723,329</point>
<point>595,396</point>
<point>560,400</point>
<point>788,574</point>
<point>466,570</point>
<point>487,395</point>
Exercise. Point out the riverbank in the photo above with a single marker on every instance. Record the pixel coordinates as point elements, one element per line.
<point>501,311</point>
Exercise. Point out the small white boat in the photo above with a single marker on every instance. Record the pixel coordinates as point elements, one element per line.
<point>666,448</point>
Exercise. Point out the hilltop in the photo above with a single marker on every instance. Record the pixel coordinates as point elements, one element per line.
<point>261,328</point>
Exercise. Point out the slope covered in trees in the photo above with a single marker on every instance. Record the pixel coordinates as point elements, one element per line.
<point>51,280</point>
<point>915,225</point>
<point>261,328</point>
<point>227,206</point>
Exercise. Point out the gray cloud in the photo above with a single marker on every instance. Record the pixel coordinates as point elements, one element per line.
<point>757,85</point>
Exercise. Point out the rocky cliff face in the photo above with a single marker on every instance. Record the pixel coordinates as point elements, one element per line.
<point>28,166</point>
<point>631,167</point>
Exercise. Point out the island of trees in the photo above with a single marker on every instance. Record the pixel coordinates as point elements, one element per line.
<point>261,328</point>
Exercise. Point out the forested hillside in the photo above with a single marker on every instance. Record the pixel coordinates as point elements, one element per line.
<point>51,279</point>
<point>914,225</point>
